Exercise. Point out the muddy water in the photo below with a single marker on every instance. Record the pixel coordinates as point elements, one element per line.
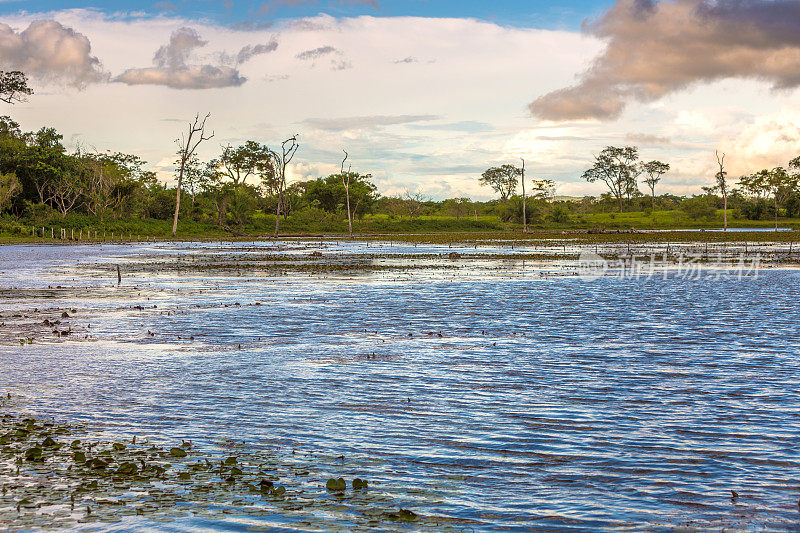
<point>508,395</point>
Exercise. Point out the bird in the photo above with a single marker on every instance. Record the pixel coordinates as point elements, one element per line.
<point>734,494</point>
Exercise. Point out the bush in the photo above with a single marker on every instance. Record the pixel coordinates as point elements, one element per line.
<point>560,215</point>
<point>757,209</point>
<point>511,211</point>
<point>698,207</point>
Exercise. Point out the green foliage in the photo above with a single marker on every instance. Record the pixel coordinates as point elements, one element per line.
<point>698,207</point>
<point>559,214</point>
<point>13,86</point>
<point>503,180</point>
<point>329,193</point>
<point>511,211</point>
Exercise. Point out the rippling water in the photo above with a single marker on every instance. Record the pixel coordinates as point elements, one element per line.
<point>524,402</point>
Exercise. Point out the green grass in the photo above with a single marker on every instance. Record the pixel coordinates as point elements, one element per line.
<point>423,228</point>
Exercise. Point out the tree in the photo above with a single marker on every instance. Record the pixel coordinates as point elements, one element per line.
<point>777,184</point>
<point>654,171</point>
<point>14,86</point>
<point>187,145</point>
<point>458,207</point>
<point>413,203</point>
<point>101,184</point>
<point>66,189</point>
<point>346,176</point>
<point>524,201</point>
<point>329,193</point>
<point>503,180</point>
<point>241,162</point>
<point>616,167</point>
<point>288,149</point>
<point>722,185</point>
<point>9,188</point>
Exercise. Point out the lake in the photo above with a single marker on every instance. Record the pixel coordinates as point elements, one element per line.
<point>500,393</point>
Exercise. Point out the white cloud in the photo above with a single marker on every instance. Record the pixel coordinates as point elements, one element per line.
<point>470,102</point>
<point>172,70</point>
<point>50,51</point>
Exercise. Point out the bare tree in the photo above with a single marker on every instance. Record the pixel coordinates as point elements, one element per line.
<point>65,191</point>
<point>9,188</point>
<point>288,149</point>
<point>346,182</point>
<point>187,144</point>
<point>722,185</point>
<point>413,203</point>
<point>524,211</point>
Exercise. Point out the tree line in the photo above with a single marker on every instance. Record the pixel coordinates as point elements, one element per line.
<point>39,176</point>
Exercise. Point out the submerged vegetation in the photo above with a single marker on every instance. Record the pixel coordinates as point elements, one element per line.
<point>57,475</point>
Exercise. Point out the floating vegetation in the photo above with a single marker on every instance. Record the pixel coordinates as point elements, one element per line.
<point>51,479</point>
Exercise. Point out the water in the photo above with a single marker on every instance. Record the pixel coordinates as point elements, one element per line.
<point>547,403</point>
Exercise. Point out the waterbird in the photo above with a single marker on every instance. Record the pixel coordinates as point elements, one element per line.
<point>734,494</point>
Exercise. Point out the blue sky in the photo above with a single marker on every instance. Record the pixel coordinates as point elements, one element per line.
<point>521,13</point>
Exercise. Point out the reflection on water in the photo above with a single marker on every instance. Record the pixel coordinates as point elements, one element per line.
<point>521,401</point>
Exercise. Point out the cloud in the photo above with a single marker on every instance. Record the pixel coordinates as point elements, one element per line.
<point>51,52</point>
<point>467,126</point>
<point>193,77</point>
<point>172,70</point>
<point>316,53</point>
<point>349,123</point>
<point>250,25</point>
<point>657,47</point>
<point>271,6</point>
<point>647,139</point>
<point>247,52</point>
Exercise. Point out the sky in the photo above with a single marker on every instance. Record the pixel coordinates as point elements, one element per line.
<point>423,94</point>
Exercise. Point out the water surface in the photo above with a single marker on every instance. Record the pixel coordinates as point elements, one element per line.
<point>511,398</point>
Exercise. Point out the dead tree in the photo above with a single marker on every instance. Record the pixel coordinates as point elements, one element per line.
<point>288,149</point>
<point>722,185</point>
<point>346,183</point>
<point>413,203</point>
<point>187,144</point>
<point>524,214</point>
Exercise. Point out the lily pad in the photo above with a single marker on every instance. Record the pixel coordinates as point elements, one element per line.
<point>177,452</point>
<point>404,515</point>
<point>336,485</point>
<point>33,454</point>
<point>127,469</point>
